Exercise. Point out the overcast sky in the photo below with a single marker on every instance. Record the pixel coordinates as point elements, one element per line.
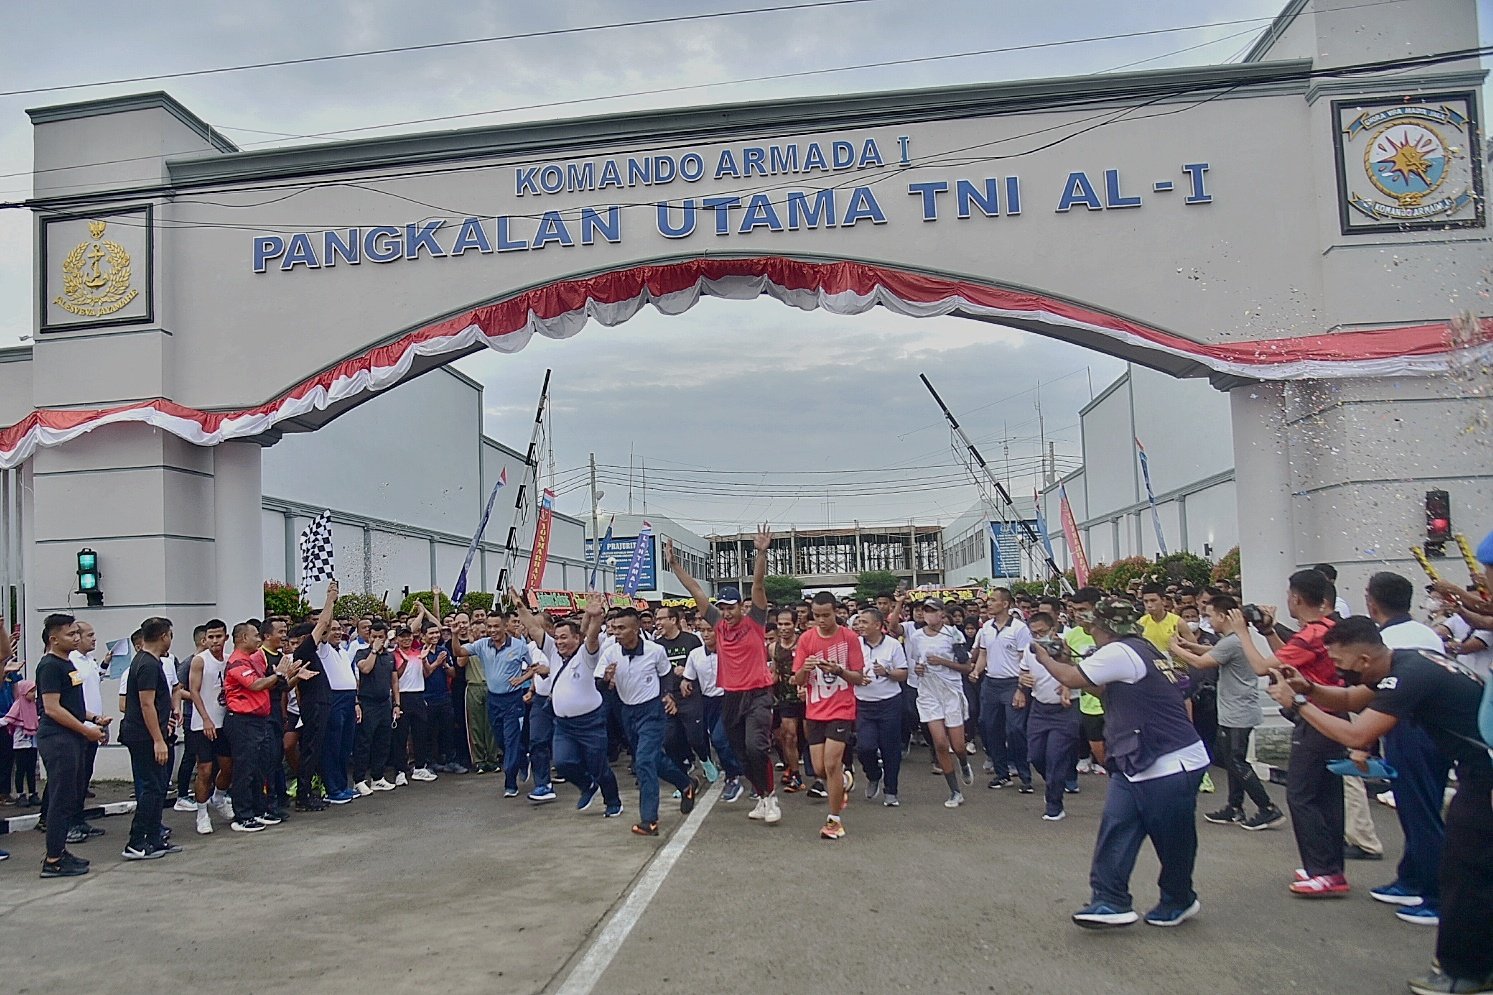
<point>841,393</point>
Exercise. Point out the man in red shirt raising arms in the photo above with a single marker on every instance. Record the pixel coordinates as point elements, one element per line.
<point>829,662</point>
<point>743,672</point>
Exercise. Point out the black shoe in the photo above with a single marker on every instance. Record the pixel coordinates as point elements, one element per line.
<point>817,790</point>
<point>62,869</point>
<point>166,846</point>
<point>1265,818</point>
<point>311,805</point>
<point>91,830</point>
<point>998,782</point>
<point>1352,851</point>
<point>687,797</point>
<point>68,858</point>
<point>1225,816</point>
<point>78,834</point>
<point>145,851</point>
<point>1026,788</point>
<point>268,818</point>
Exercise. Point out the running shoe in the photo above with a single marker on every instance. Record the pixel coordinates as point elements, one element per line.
<point>792,783</point>
<point>1206,788</point>
<point>381,785</point>
<point>732,790</point>
<point>269,818</point>
<point>249,825</point>
<point>400,780</point>
<point>711,771</point>
<point>364,788</point>
<point>142,852</point>
<point>204,821</point>
<point>1419,915</point>
<point>774,811</point>
<point>612,811</point>
<point>510,792</point>
<point>687,798</point>
<point>1162,915</point>
<point>1057,816</point>
<point>996,783</point>
<point>1321,886</point>
<point>818,790</point>
<point>759,811</point>
<point>873,788</point>
<point>966,772</point>
<point>833,829</point>
<point>1101,915</point>
<point>645,829</point>
<point>1025,788</point>
<point>891,801</point>
<point>62,869</point>
<point>1225,816</point>
<point>1352,851</point>
<point>587,797</point>
<point>849,783</point>
<point>1439,982</point>
<point>1071,788</point>
<point>954,801</point>
<point>540,796</point>
<point>1395,894</point>
<point>1265,818</point>
<point>184,805</point>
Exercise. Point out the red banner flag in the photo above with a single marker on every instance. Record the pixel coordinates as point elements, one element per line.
<point>540,555</point>
<point>1075,544</point>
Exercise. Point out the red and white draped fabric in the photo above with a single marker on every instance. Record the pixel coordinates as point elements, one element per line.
<point>560,310</point>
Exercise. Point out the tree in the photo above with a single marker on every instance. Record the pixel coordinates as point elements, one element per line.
<point>872,584</point>
<point>782,589</point>
<point>1182,567</point>
<point>1228,567</point>
<point>284,599</point>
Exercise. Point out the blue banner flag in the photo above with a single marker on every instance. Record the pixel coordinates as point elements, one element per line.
<point>459,591</point>
<point>1145,472</point>
<point>640,553</point>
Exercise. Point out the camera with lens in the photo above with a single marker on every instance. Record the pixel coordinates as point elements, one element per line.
<point>1253,615</point>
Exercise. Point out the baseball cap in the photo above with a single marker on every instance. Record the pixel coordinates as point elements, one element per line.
<point>1119,615</point>
<point>933,603</point>
<point>729,596</point>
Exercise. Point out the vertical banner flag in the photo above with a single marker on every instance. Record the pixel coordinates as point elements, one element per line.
<point>316,550</point>
<point>639,554</point>
<point>1042,525</point>
<point>606,541</point>
<point>459,591</point>
<point>540,553</point>
<point>1145,472</point>
<point>1075,544</point>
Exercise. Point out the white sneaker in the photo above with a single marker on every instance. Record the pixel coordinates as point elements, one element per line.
<point>955,800</point>
<point>204,821</point>
<point>1083,766</point>
<point>759,811</point>
<point>363,788</point>
<point>400,780</point>
<point>185,805</point>
<point>223,806</point>
<point>774,813</point>
<point>422,774</point>
<point>988,767</point>
<point>381,785</point>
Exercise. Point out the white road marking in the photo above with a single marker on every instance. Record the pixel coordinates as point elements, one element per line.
<point>604,946</point>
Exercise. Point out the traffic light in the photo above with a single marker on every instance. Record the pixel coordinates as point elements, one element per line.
<point>1438,522</point>
<point>88,577</point>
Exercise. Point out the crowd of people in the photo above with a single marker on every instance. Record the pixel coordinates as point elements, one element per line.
<point>1146,688</point>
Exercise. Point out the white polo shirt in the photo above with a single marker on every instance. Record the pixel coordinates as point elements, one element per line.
<point>1006,647</point>
<point>93,681</point>
<point>572,686</point>
<point>637,673</point>
<point>337,664</point>
<point>889,654</point>
<point>543,656</point>
<point>700,666</point>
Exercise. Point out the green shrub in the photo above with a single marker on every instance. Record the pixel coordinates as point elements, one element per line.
<point>872,584</point>
<point>1182,567</point>
<point>284,599</point>
<point>1228,567</point>
<point>358,605</point>
<point>782,589</point>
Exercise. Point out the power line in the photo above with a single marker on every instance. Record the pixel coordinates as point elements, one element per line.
<point>735,82</point>
<point>430,46</point>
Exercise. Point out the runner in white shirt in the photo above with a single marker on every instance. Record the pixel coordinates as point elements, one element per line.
<point>939,664</point>
<point>878,718</point>
<point>205,740</point>
<point>541,718</point>
<point>580,737</point>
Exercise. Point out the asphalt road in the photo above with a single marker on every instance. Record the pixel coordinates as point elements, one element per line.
<point>446,886</point>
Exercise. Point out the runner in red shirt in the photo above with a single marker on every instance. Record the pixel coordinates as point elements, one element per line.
<point>828,663</point>
<point>743,672</point>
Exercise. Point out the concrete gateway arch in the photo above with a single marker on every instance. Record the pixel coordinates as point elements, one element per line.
<point>1301,228</point>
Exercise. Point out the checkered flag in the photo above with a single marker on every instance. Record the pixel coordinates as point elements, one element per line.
<point>316,550</point>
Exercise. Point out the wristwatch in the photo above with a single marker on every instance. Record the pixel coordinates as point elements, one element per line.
<point>1300,699</point>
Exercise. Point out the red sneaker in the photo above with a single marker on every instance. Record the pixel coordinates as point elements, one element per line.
<point>1321,886</point>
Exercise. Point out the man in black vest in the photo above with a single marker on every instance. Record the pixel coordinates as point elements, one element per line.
<point>1157,762</point>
